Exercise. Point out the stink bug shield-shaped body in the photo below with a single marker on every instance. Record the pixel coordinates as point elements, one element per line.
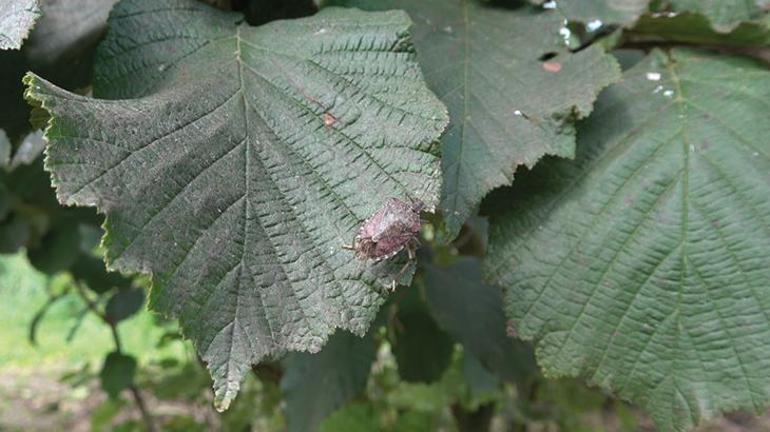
<point>388,231</point>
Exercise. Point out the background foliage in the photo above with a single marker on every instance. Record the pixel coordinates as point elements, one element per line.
<point>599,172</point>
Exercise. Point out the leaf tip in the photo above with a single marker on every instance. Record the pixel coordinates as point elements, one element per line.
<point>224,395</point>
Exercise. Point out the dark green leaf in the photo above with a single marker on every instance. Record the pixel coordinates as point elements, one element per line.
<point>58,249</point>
<point>598,13</point>
<point>117,373</point>
<point>643,266</point>
<point>123,304</point>
<point>94,274</point>
<point>725,15</point>
<point>422,350</point>
<point>480,381</point>
<point>472,312</point>
<point>14,233</point>
<point>250,158</point>
<point>17,17</point>
<point>315,385</point>
<point>696,28</point>
<point>68,31</point>
<point>507,107</point>
<point>61,48</point>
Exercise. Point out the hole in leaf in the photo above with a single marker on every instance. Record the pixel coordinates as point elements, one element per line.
<point>547,56</point>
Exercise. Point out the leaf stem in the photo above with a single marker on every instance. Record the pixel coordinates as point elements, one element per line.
<point>138,398</point>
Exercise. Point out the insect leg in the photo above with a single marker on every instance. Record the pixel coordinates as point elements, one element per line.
<point>411,252</point>
<point>351,246</point>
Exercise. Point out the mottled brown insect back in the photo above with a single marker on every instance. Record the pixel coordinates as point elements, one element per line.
<point>388,231</point>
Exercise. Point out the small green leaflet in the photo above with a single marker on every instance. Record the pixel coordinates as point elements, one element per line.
<point>117,373</point>
<point>17,17</point>
<point>507,107</point>
<point>644,264</point>
<point>234,162</point>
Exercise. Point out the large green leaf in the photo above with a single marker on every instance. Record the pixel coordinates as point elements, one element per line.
<point>17,17</point>
<point>644,265</point>
<point>471,311</point>
<point>696,28</point>
<point>600,12</point>
<point>61,47</point>
<point>422,350</point>
<point>68,31</point>
<point>315,385</point>
<point>725,15</point>
<point>507,109</point>
<point>238,162</point>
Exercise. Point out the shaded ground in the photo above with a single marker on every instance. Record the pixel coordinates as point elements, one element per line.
<point>39,401</point>
<point>36,400</point>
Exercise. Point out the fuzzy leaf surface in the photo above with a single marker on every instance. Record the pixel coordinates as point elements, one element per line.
<point>234,162</point>
<point>17,17</point>
<point>506,108</point>
<point>644,265</point>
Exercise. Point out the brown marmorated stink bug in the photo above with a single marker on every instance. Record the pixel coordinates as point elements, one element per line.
<point>388,231</point>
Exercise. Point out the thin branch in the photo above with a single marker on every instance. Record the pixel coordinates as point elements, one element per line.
<point>148,421</point>
<point>138,398</point>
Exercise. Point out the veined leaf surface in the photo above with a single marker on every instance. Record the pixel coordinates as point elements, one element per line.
<point>239,160</point>
<point>508,108</point>
<point>644,265</point>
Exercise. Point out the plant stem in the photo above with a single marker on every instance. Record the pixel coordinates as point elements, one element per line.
<point>138,398</point>
<point>479,420</point>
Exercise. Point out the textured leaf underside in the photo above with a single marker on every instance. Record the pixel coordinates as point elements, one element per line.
<point>239,160</point>
<point>506,108</point>
<point>644,265</point>
<point>17,17</point>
